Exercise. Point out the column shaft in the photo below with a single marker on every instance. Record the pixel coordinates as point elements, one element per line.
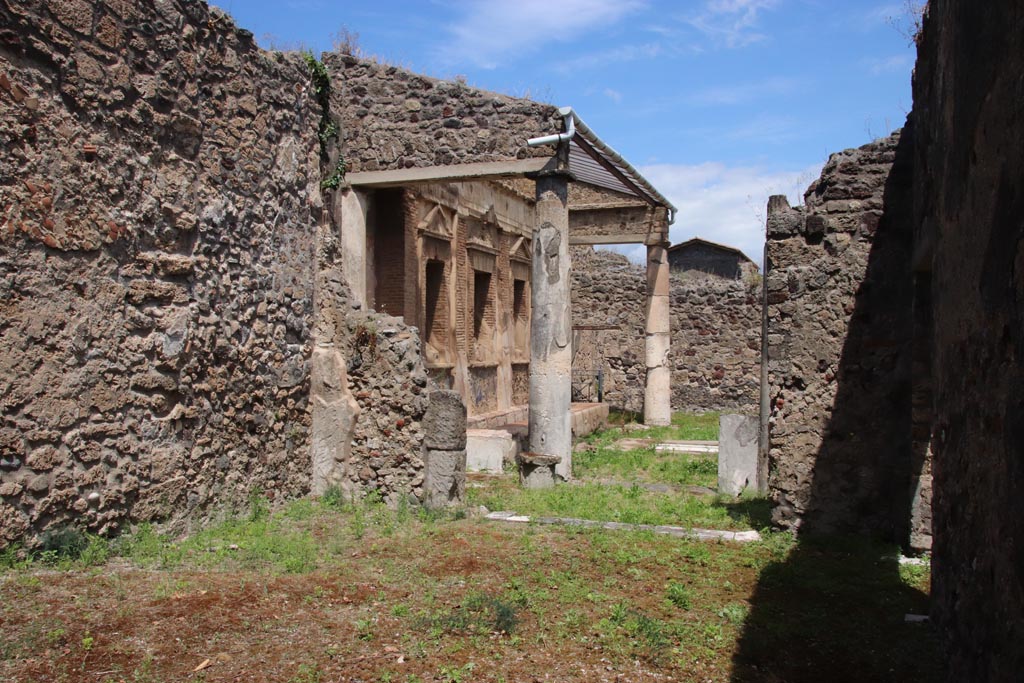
<point>658,391</point>
<point>551,326</point>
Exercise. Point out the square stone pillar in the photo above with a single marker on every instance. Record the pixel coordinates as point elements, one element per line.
<point>658,390</point>
<point>351,205</point>
<point>551,326</point>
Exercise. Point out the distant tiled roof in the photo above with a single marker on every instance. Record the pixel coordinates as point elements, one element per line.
<point>696,241</point>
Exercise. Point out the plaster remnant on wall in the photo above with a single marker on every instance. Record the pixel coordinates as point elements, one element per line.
<point>334,415</point>
<point>548,242</point>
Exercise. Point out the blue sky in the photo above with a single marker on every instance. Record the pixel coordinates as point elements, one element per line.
<point>718,102</point>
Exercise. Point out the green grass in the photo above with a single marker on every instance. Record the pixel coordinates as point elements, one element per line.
<point>627,504</point>
<point>448,591</point>
<point>604,460</point>
<point>289,540</point>
<point>645,464</point>
<point>684,427</point>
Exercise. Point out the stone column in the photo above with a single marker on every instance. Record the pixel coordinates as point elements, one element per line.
<point>444,450</point>
<point>658,390</point>
<point>551,326</point>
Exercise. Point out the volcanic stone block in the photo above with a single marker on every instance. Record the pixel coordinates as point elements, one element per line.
<point>444,424</point>
<point>737,453</point>
<point>445,482</point>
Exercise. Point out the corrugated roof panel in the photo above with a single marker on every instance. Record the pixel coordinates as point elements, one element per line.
<point>587,169</point>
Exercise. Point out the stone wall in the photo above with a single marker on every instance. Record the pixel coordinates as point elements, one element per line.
<point>392,118</point>
<point>716,332</point>
<point>166,268</point>
<point>969,204</point>
<point>839,297</point>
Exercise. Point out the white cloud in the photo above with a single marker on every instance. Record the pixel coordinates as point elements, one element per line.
<point>767,130</point>
<point>613,95</point>
<point>489,31</point>
<point>624,53</point>
<point>721,203</point>
<point>895,64</point>
<point>731,23</point>
<point>743,92</point>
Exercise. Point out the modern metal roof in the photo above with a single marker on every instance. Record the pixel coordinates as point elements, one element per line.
<point>593,161</point>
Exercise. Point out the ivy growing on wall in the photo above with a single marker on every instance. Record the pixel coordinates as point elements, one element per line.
<point>327,129</point>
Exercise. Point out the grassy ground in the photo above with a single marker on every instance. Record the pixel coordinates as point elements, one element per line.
<point>619,477</point>
<point>618,503</point>
<point>604,460</point>
<point>329,590</point>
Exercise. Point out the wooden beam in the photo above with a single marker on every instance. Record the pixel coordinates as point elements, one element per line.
<point>623,238</point>
<point>606,207</point>
<point>454,173</point>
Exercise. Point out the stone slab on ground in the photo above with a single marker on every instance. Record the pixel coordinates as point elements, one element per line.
<point>676,531</point>
<point>737,454</point>
<point>487,450</point>
<point>688,446</point>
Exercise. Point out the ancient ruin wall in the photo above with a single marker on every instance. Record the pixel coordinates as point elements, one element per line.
<point>716,332</point>
<point>162,242</point>
<point>393,118</point>
<point>839,330</point>
<point>969,204</point>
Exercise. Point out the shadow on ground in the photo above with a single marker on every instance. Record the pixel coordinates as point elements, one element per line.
<point>757,512</point>
<point>834,611</point>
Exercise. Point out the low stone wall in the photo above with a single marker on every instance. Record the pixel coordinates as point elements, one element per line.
<point>716,332</point>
